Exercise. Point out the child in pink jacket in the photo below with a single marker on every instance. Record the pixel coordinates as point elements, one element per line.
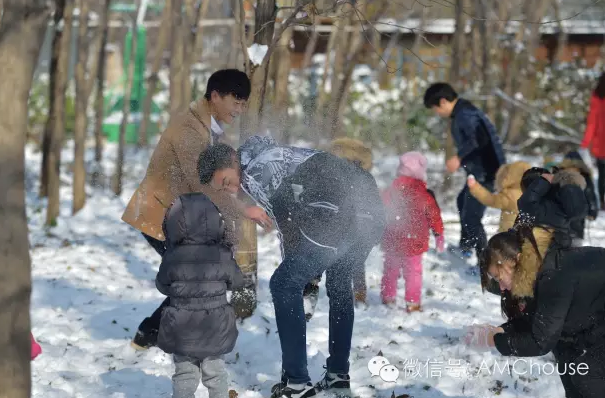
<point>412,213</point>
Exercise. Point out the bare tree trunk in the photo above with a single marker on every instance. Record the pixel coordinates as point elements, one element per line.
<point>562,37</point>
<point>311,45</point>
<point>281,99</point>
<point>264,27</point>
<point>84,87</point>
<point>22,30</point>
<point>192,45</point>
<point>402,141</point>
<point>176,58</point>
<point>342,79</point>
<point>54,70</point>
<point>456,64</point>
<point>152,82</point>
<point>458,44</point>
<point>525,76</point>
<point>337,46</point>
<point>119,171</point>
<point>53,167</point>
<point>99,98</point>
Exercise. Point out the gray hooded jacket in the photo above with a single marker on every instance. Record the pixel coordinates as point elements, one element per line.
<point>196,271</point>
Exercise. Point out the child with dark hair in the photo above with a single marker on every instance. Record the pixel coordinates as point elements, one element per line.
<point>479,153</point>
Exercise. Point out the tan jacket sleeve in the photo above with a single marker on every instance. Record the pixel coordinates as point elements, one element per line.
<point>496,200</point>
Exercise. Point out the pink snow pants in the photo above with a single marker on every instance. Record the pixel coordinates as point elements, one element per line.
<point>412,275</point>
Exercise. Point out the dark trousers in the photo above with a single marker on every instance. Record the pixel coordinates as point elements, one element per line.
<point>471,211</point>
<point>590,384</point>
<point>358,257</point>
<point>318,233</point>
<point>151,324</point>
<point>601,168</point>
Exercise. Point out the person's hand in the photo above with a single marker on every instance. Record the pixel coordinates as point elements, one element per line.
<point>471,182</point>
<point>481,337</point>
<point>547,177</point>
<point>452,164</point>
<point>440,243</point>
<point>258,215</point>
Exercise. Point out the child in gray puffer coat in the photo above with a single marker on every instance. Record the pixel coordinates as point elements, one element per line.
<point>198,326</point>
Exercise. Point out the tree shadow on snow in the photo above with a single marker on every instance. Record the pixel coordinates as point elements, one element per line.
<point>103,317</point>
<point>134,383</point>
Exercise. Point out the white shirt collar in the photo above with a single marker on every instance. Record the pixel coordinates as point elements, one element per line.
<point>215,127</point>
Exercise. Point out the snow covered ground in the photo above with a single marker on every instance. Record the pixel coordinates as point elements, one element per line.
<point>93,282</point>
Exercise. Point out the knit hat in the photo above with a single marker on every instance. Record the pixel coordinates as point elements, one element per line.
<point>413,164</point>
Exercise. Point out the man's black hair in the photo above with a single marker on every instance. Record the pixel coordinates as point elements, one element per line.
<point>229,81</point>
<point>437,91</point>
<point>215,157</point>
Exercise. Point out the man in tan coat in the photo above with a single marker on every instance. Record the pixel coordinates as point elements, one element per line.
<point>173,171</point>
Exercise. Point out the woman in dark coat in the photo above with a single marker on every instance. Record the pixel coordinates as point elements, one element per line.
<point>569,316</point>
<point>565,287</point>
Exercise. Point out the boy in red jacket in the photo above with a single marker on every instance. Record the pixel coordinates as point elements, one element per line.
<point>411,213</point>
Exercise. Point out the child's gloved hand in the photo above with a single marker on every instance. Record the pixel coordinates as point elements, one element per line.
<point>440,242</point>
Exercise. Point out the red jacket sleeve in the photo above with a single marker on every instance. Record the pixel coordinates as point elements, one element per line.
<point>591,122</point>
<point>434,215</point>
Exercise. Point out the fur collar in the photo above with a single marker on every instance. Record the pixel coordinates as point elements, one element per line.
<point>569,177</point>
<point>529,263</point>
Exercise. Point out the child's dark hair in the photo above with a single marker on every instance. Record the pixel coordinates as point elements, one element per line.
<point>229,81</point>
<point>438,91</point>
<point>599,91</point>
<point>216,157</point>
<point>532,175</point>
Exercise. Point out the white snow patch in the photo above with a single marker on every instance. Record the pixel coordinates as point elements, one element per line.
<point>257,52</point>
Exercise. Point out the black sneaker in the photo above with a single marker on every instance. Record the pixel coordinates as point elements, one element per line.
<point>287,390</point>
<point>144,340</point>
<point>336,384</point>
<point>310,297</point>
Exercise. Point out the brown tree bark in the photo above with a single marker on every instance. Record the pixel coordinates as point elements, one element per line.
<point>119,171</point>
<point>99,98</point>
<point>193,42</point>
<point>53,164</point>
<point>84,85</point>
<point>281,97</point>
<point>311,45</point>
<point>525,76</point>
<point>337,46</point>
<point>152,82</point>
<point>353,55</point>
<point>22,30</point>
<point>48,128</point>
<point>176,58</point>
<point>264,27</point>
<point>456,65</point>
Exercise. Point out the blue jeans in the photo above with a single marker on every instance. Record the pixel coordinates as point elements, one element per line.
<point>299,267</point>
<point>472,234</point>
